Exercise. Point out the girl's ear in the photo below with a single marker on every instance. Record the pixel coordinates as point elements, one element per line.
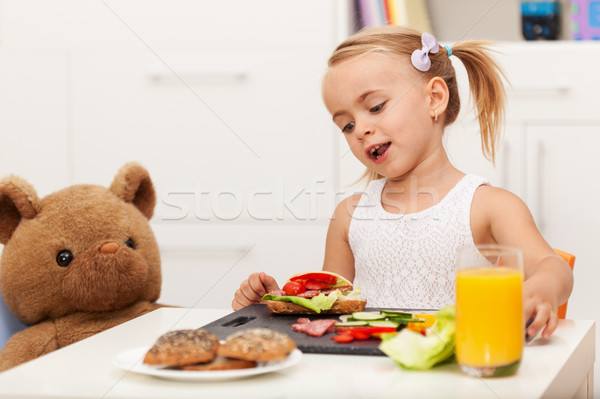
<point>438,94</point>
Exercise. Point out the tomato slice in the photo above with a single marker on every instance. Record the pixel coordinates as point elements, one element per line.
<point>343,338</point>
<point>294,288</point>
<point>361,336</point>
<point>316,285</point>
<point>326,277</point>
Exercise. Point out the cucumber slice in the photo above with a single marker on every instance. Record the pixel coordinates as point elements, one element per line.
<point>345,317</point>
<point>402,320</point>
<point>360,323</point>
<point>368,316</point>
<point>397,314</point>
<point>383,323</point>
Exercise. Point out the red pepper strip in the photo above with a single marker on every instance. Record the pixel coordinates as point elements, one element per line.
<point>366,330</point>
<point>313,284</point>
<point>326,277</point>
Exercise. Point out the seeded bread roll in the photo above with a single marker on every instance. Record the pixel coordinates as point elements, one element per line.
<point>257,345</point>
<point>220,363</point>
<point>339,307</point>
<point>183,347</point>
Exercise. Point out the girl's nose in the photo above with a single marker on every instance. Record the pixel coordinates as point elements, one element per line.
<point>365,130</point>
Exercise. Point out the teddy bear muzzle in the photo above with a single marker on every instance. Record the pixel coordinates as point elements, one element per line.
<point>109,276</point>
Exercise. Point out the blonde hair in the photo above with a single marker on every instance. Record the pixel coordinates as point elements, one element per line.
<point>485,76</point>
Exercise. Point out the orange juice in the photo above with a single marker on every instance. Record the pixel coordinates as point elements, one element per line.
<point>489,317</point>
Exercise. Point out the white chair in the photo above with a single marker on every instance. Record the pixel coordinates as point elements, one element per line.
<point>9,324</point>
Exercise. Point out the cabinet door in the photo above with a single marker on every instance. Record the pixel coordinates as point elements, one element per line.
<point>229,135</point>
<point>563,195</point>
<point>203,265</point>
<point>34,134</point>
<point>227,115</point>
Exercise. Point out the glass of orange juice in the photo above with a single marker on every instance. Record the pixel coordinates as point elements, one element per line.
<point>490,329</point>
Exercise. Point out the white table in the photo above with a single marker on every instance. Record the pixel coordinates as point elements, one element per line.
<point>560,367</point>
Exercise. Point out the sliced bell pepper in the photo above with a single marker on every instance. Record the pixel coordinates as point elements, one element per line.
<point>428,321</point>
<point>326,277</point>
<point>313,284</point>
<point>365,330</point>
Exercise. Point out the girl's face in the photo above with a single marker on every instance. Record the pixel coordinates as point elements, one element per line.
<point>382,106</point>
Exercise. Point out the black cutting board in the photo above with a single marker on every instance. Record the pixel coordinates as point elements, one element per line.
<point>259,316</point>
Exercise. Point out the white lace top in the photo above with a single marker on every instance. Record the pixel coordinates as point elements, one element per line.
<point>407,260</point>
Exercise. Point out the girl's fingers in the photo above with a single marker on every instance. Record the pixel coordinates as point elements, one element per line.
<point>256,285</point>
<point>542,316</point>
<point>551,326</point>
<point>268,282</point>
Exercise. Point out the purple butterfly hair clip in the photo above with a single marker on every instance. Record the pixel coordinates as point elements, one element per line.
<point>420,58</point>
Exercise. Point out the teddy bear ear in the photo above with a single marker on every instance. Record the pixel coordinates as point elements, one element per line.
<point>18,200</point>
<point>132,184</point>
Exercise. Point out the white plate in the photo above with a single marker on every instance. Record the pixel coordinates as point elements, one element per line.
<point>131,360</point>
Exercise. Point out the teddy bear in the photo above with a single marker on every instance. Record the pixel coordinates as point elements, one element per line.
<point>76,262</point>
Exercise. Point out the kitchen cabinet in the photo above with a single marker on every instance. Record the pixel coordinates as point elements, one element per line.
<point>34,127</point>
<point>224,149</point>
<point>563,194</point>
<point>203,265</point>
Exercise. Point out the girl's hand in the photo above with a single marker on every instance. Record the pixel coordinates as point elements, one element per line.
<point>540,306</point>
<point>253,289</point>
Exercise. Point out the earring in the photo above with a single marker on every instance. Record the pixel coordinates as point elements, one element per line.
<point>435,115</point>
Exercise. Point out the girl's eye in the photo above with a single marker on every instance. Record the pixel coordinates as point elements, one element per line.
<point>348,128</point>
<point>377,108</point>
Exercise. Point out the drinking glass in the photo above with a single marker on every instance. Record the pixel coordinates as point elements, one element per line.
<point>490,329</point>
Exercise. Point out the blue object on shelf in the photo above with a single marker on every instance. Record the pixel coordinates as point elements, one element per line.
<point>9,324</point>
<point>541,20</point>
<point>585,19</point>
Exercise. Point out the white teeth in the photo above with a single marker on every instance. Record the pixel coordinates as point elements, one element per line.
<point>374,149</point>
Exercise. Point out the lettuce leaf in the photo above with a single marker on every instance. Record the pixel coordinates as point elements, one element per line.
<point>306,302</point>
<point>316,303</point>
<point>354,294</point>
<point>325,302</point>
<point>415,351</point>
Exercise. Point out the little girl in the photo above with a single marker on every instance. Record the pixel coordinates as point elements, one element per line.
<point>392,92</point>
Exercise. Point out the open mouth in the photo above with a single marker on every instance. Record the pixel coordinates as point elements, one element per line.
<point>378,150</point>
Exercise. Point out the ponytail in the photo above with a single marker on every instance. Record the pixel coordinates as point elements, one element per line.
<point>487,90</point>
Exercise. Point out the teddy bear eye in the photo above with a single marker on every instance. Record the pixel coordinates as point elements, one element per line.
<point>64,257</point>
<point>130,243</point>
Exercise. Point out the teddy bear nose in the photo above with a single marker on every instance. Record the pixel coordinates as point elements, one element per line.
<point>109,248</point>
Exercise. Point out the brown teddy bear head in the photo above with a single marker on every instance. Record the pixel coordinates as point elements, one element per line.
<point>84,248</point>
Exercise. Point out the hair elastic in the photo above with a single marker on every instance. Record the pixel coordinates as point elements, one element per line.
<point>420,58</point>
<point>448,50</point>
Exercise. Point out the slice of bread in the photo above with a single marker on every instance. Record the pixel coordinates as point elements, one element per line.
<point>220,363</point>
<point>339,307</point>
